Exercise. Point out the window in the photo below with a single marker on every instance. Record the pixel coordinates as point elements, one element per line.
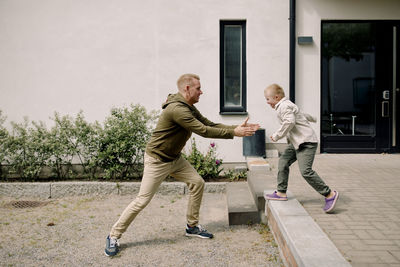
<point>233,67</point>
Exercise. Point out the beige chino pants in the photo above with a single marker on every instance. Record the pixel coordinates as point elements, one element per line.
<point>155,171</point>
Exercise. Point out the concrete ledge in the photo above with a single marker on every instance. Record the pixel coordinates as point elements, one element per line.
<point>218,187</point>
<point>25,190</point>
<point>64,189</point>
<point>301,241</point>
<point>257,164</point>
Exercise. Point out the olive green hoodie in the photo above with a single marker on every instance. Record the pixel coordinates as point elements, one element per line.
<point>175,126</point>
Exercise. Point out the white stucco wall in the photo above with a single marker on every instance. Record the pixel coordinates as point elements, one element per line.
<point>91,55</point>
<point>309,15</point>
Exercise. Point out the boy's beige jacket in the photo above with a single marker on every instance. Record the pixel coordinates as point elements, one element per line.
<point>175,126</point>
<point>294,124</point>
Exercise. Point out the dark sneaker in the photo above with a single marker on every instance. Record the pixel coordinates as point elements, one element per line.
<point>112,246</point>
<point>331,202</point>
<point>274,196</point>
<point>198,231</point>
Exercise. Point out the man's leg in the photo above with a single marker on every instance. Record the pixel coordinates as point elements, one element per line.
<point>305,157</point>
<point>155,171</point>
<point>285,160</point>
<point>185,172</point>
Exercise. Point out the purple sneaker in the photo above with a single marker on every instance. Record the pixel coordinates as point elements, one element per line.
<point>274,196</point>
<point>331,202</point>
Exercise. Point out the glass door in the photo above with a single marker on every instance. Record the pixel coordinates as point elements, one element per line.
<point>358,81</point>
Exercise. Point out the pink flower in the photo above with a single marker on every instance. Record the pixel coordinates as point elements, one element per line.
<point>212,144</point>
<point>217,162</point>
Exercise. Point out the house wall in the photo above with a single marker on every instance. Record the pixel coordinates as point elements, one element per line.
<point>92,55</point>
<point>88,55</point>
<point>309,15</point>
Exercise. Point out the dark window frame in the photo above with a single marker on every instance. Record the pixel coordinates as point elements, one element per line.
<point>242,110</point>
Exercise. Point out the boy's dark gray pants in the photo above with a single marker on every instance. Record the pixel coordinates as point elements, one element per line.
<point>305,157</point>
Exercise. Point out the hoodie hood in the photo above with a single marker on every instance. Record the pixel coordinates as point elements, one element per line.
<point>173,98</point>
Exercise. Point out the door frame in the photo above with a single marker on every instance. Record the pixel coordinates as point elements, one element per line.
<point>386,129</point>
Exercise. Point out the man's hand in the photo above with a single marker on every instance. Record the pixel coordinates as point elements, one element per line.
<point>252,125</point>
<point>246,129</point>
<point>273,140</point>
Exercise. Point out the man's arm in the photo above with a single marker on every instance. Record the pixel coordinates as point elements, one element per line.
<point>184,117</point>
<point>207,122</point>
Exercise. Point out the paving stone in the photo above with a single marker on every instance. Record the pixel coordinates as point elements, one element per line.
<point>376,220</point>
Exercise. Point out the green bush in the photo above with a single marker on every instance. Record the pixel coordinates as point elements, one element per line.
<point>123,141</point>
<point>116,149</point>
<point>3,145</point>
<point>87,144</point>
<point>233,175</point>
<point>27,149</point>
<point>207,165</point>
<point>62,142</point>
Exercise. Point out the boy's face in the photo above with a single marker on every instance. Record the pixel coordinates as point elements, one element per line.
<point>272,98</point>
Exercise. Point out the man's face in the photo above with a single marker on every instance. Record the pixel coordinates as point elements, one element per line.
<point>272,98</point>
<point>194,91</point>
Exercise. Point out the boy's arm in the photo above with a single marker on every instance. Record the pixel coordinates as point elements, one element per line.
<point>310,118</point>
<point>288,122</point>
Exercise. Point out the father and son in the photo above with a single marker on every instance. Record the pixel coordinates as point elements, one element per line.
<point>180,118</point>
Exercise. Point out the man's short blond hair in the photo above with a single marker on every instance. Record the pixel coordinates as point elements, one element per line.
<point>186,79</point>
<point>275,89</point>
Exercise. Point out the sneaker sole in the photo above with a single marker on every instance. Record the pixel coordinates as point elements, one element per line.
<point>193,235</point>
<point>334,203</point>
<point>110,255</point>
<point>279,199</point>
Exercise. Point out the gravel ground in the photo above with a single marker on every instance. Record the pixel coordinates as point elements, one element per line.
<point>71,232</point>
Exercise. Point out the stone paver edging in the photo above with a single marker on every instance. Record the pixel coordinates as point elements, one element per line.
<point>66,189</point>
<point>301,241</point>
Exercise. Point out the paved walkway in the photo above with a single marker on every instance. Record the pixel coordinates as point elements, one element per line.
<point>366,224</point>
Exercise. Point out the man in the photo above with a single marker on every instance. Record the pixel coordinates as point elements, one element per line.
<point>163,157</point>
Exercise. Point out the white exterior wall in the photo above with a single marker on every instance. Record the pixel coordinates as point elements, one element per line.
<point>88,55</point>
<point>92,55</point>
<point>309,15</point>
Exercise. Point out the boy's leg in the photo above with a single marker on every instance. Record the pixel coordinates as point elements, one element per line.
<point>305,157</point>
<point>184,171</point>
<point>155,171</point>
<point>285,160</point>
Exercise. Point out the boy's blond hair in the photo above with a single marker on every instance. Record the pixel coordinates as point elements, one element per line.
<point>276,89</point>
<point>186,79</point>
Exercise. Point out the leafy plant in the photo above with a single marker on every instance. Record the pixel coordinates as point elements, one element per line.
<point>3,142</point>
<point>87,144</point>
<point>207,165</point>
<point>61,139</point>
<point>28,151</point>
<point>123,141</point>
<point>233,175</point>
<point>74,138</point>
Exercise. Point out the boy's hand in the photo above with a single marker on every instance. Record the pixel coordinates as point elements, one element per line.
<point>272,139</point>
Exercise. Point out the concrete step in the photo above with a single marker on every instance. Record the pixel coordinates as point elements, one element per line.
<point>301,241</point>
<point>258,181</point>
<point>241,206</point>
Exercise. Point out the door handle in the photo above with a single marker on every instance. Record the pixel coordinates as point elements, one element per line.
<point>385,109</point>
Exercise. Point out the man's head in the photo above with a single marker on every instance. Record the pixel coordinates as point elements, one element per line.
<point>189,87</point>
<point>273,94</point>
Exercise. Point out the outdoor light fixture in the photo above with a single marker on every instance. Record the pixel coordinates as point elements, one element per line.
<point>304,40</point>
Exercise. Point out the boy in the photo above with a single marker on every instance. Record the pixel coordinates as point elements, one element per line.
<point>303,144</point>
